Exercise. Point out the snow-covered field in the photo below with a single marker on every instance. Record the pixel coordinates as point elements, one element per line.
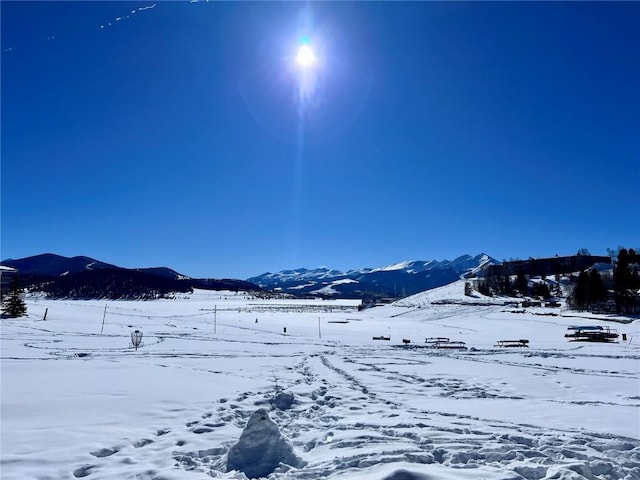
<point>78,403</point>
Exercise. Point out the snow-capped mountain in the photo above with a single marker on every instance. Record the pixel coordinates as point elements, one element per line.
<point>397,280</point>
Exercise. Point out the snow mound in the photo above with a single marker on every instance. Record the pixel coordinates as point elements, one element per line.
<point>283,401</point>
<point>405,475</point>
<point>261,448</point>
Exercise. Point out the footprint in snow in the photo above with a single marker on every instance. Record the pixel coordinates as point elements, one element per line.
<point>142,443</point>
<point>105,452</point>
<point>83,471</point>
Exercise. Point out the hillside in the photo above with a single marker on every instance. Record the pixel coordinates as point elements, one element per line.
<point>452,293</point>
<point>85,277</point>
<point>52,265</point>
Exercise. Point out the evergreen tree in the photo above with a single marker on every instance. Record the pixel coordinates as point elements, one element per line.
<point>506,285</point>
<point>596,291</point>
<point>14,305</point>
<point>622,271</point>
<point>541,290</point>
<point>522,284</point>
<point>484,289</point>
<point>580,291</point>
<point>589,290</point>
<point>635,278</point>
<point>625,280</point>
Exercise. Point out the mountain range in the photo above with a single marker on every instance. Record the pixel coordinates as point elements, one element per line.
<point>397,280</point>
<point>90,278</point>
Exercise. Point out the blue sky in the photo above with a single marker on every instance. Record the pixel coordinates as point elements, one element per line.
<point>178,135</point>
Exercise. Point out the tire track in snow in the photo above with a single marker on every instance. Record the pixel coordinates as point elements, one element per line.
<point>334,438</point>
<point>529,450</point>
<point>475,357</point>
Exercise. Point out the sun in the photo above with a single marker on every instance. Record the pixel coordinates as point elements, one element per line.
<point>305,57</point>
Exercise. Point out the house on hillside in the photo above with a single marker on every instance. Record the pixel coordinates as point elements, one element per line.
<point>7,274</point>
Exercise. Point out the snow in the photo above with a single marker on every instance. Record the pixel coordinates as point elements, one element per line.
<point>300,287</point>
<point>80,404</point>
<point>329,289</point>
<point>452,293</point>
<point>344,281</point>
<point>261,448</point>
<point>396,266</point>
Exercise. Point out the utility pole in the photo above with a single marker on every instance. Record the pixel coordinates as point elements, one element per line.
<point>215,319</point>
<point>319,331</point>
<point>103,317</point>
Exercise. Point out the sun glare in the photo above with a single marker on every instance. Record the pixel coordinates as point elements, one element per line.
<point>306,58</point>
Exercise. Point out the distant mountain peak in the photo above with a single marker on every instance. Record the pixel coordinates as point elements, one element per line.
<point>52,265</point>
<point>397,279</point>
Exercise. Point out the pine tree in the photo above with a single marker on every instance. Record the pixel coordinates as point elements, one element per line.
<point>506,285</point>
<point>623,279</point>
<point>580,291</point>
<point>622,271</point>
<point>541,290</point>
<point>14,305</point>
<point>635,278</point>
<point>522,284</point>
<point>468,289</point>
<point>595,288</point>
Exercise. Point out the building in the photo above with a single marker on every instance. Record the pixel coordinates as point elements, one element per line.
<point>540,267</point>
<point>7,274</point>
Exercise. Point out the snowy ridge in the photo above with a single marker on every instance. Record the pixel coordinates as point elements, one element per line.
<point>452,293</point>
<point>399,279</point>
<point>483,262</point>
<point>397,266</point>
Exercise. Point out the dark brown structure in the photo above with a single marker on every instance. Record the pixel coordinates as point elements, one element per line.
<point>538,267</point>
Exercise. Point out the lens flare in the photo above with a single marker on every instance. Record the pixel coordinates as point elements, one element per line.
<point>306,58</point>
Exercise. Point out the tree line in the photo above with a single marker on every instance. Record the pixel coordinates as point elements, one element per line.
<point>112,284</point>
<point>593,290</point>
<point>590,290</point>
